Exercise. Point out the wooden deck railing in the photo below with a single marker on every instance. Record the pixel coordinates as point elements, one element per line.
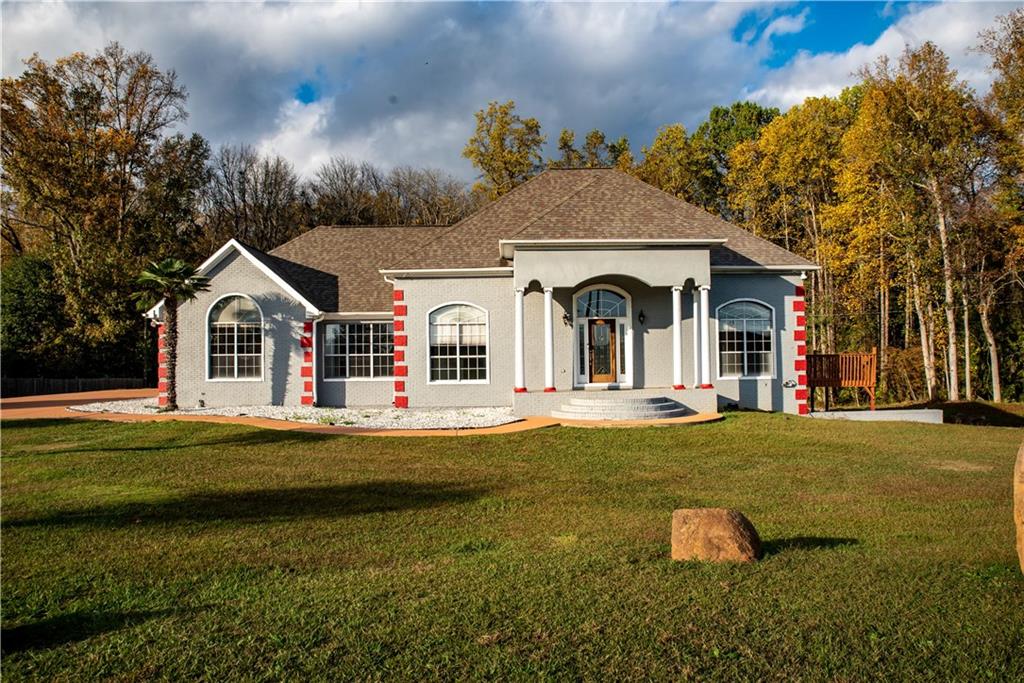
<point>858,370</point>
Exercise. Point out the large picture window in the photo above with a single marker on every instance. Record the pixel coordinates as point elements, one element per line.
<point>745,340</point>
<point>458,344</point>
<point>359,350</point>
<point>236,339</point>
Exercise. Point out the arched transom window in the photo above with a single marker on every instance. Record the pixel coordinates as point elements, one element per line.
<point>458,344</point>
<point>601,303</point>
<point>236,339</point>
<point>745,339</point>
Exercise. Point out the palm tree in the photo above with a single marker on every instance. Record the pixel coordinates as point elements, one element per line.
<point>175,282</point>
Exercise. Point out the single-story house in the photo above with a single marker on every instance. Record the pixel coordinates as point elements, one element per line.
<point>577,281</point>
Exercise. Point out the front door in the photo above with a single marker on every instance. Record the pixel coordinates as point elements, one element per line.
<point>602,350</point>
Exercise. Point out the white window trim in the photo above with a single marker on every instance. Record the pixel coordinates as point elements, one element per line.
<point>263,341</point>
<point>625,378</point>
<point>487,355</point>
<point>718,346</point>
<point>324,354</point>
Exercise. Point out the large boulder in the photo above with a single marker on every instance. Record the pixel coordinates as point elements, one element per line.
<point>714,535</point>
<point>1018,503</point>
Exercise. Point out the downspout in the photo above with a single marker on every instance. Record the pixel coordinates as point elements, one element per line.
<point>316,364</point>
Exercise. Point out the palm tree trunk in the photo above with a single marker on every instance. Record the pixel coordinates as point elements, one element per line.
<point>171,349</point>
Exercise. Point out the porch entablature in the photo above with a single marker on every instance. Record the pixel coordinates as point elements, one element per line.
<point>567,263</point>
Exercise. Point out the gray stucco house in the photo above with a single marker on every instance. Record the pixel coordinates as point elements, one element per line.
<point>577,281</point>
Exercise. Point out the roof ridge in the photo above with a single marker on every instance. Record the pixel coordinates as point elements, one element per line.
<point>554,206</point>
<point>485,207</point>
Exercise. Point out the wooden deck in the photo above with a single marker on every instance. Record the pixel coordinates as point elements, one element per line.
<point>840,370</point>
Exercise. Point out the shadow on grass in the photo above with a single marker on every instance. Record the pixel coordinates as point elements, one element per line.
<point>979,413</point>
<point>266,505</point>
<point>806,543</point>
<point>250,437</point>
<point>70,628</point>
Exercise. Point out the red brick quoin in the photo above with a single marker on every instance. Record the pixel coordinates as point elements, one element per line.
<point>800,362</point>
<point>400,311</point>
<point>306,369</point>
<point>161,367</point>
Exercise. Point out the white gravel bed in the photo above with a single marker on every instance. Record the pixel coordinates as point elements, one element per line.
<point>370,418</point>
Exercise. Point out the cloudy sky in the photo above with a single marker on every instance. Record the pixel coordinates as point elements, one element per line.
<point>398,83</point>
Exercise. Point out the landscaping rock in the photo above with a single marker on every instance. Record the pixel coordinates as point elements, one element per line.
<point>1018,504</point>
<point>714,535</point>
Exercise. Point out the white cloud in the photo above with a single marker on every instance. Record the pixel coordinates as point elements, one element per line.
<point>400,82</point>
<point>954,27</point>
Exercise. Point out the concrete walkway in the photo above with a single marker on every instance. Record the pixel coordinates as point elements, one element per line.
<point>55,406</point>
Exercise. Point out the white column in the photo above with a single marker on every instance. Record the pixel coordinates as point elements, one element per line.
<point>677,337</point>
<point>520,360</point>
<point>696,337</point>
<point>705,344</point>
<point>549,341</point>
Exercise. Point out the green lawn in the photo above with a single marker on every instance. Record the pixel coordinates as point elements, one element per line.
<point>182,550</point>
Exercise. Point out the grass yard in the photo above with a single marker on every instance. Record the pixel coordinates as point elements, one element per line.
<point>189,550</point>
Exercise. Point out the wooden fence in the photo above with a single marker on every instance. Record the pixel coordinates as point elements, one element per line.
<point>832,370</point>
<point>33,386</point>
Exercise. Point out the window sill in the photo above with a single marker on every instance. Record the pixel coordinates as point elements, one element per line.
<point>234,379</point>
<point>458,381</point>
<point>389,378</point>
<point>746,377</point>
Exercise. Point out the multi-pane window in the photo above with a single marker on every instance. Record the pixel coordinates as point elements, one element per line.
<point>458,344</point>
<point>745,340</point>
<point>359,350</point>
<point>236,339</point>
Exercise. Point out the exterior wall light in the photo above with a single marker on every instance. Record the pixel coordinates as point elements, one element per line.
<point>642,317</point>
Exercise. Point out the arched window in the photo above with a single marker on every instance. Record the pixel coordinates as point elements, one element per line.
<point>744,339</point>
<point>458,344</point>
<point>601,303</point>
<point>236,339</point>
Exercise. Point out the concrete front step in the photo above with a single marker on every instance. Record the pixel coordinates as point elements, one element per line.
<point>620,408</point>
<point>653,415</point>
<point>618,401</point>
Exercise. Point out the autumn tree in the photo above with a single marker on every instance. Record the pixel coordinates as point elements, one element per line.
<point>675,165</point>
<point>90,165</point>
<point>926,124</point>
<point>595,150</point>
<point>568,155</point>
<point>505,148</point>
<point>724,129</point>
<point>620,155</point>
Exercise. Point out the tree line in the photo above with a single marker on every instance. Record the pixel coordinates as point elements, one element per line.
<point>907,189</point>
<point>96,183</point>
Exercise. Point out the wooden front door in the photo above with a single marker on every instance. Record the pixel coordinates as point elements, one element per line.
<point>602,350</point>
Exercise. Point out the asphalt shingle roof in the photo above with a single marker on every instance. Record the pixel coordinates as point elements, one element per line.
<point>590,204</point>
<point>336,267</point>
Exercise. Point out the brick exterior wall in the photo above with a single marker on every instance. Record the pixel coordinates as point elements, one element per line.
<point>161,364</point>
<point>800,353</point>
<point>306,369</point>
<point>400,311</point>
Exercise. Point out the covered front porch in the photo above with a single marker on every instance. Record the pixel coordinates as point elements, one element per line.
<point>642,328</point>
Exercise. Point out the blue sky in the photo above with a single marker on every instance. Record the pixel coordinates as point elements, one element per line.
<point>397,84</point>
